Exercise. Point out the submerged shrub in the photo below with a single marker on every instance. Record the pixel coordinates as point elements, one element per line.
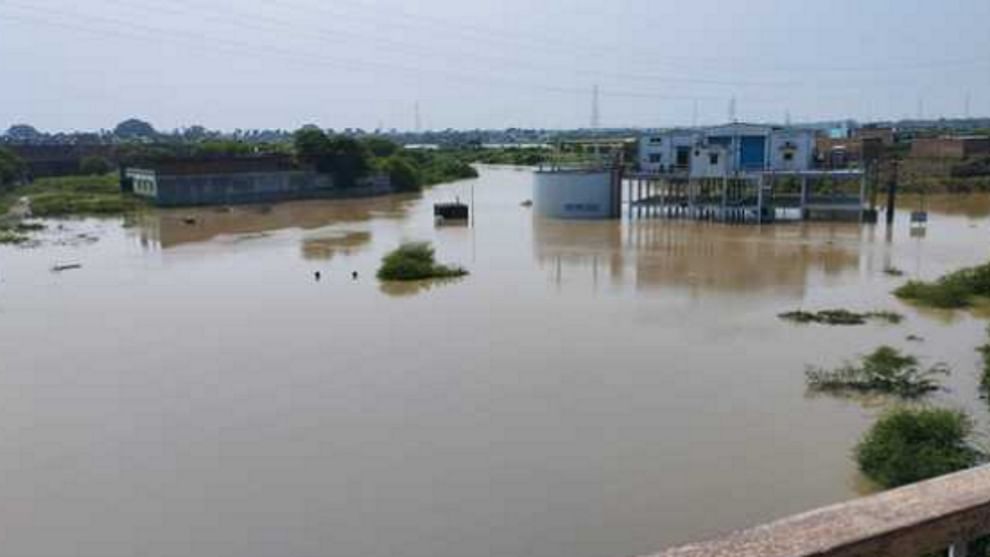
<point>415,261</point>
<point>12,237</point>
<point>955,290</point>
<point>841,317</point>
<point>885,370</point>
<point>909,445</point>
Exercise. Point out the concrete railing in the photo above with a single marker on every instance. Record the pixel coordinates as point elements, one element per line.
<point>938,515</point>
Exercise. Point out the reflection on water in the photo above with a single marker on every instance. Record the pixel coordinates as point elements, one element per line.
<point>173,227</point>
<point>701,256</point>
<point>401,289</point>
<point>326,245</point>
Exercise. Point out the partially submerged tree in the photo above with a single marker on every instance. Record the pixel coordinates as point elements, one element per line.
<point>909,445</point>
<point>415,261</point>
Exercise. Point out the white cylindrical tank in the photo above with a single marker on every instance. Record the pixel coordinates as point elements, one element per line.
<point>574,194</point>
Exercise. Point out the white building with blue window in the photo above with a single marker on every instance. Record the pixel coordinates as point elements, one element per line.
<point>734,149</point>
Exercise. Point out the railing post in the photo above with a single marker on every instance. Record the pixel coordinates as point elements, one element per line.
<point>959,549</point>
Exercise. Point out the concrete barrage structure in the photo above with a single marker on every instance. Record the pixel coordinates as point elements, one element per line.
<point>233,181</point>
<point>592,192</point>
<point>944,515</point>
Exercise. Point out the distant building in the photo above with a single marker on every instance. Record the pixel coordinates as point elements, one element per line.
<point>231,181</point>
<point>730,149</point>
<point>886,136</point>
<point>958,147</point>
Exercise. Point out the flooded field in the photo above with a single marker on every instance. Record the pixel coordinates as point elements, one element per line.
<point>591,390</point>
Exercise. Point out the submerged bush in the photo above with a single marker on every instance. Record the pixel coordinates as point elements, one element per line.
<point>841,317</point>
<point>12,237</point>
<point>955,290</point>
<point>909,445</point>
<point>415,261</point>
<point>885,370</point>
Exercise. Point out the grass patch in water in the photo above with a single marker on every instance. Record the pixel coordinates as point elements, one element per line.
<point>952,291</point>
<point>841,317</point>
<point>11,237</point>
<point>886,370</point>
<point>415,261</point>
<point>74,195</point>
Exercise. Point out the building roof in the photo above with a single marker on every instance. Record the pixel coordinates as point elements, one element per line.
<point>223,165</point>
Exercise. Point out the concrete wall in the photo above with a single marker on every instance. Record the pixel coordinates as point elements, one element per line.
<point>658,153</point>
<point>950,147</point>
<point>912,521</point>
<point>575,194</point>
<point>709,162</point>
<point>246,187</point>
<point>792,150</point>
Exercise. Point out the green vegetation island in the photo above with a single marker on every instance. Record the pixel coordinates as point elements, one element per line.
<point>416,261</point>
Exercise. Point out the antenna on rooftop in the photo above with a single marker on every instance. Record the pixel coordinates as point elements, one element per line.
<point>595,112</point>
<point>787,118</point>
<point>732,110</point>
<point>417,117</point>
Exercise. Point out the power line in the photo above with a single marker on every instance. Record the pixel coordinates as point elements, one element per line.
<point>354,64</point>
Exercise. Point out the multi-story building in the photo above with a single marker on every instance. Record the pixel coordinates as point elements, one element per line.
<point>728,150</point>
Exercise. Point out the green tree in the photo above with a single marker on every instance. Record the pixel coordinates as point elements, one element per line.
<point>312,146</point>
<point>11,168</point>
<point>381,147</point>
<point>344,157</point>
<point>349,160</point>
<point>908,445</point>
<point>403,175</point>
<point>134,129</point>
<point>95,166</point>
<point>223,147</point>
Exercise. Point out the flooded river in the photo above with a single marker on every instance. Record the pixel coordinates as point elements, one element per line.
<point>591,390</point>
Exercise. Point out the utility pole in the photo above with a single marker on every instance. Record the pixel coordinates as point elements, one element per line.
<point>892,191</point>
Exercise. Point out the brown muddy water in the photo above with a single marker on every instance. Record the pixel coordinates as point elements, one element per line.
<point>591,390</point>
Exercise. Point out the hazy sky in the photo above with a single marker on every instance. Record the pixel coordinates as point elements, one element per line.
<point>87,64</point>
